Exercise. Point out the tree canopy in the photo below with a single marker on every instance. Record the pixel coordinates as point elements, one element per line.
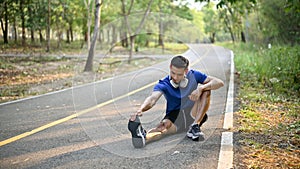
<point>38,22</point>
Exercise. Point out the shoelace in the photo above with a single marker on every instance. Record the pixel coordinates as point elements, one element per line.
<point>196,128</point>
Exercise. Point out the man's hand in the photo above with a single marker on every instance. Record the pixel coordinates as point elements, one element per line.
<point>210,83</point>
<point>137,113</point>
<point>194,96</point>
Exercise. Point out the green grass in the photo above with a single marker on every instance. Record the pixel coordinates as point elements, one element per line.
<point>277,69</point>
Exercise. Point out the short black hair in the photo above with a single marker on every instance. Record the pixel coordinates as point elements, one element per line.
<point>180,62</point>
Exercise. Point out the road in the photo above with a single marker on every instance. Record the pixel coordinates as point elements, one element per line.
<point>86,126</point>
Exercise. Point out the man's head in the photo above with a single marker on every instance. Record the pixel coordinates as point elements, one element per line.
<point>178,68</point>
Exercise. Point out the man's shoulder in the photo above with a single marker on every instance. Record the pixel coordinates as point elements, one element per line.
<point>193,72</point>
<point>164,80</point>
<point>162,83</point>
<point>199,76</point>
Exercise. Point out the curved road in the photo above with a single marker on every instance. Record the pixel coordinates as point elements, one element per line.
<point>86,126</point>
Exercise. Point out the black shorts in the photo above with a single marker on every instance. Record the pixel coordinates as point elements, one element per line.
<point>183,119</point>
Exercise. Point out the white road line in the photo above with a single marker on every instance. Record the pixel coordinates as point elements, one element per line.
<point>228,119</point>
<point>226,151</point>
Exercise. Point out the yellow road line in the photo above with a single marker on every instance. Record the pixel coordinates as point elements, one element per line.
<point>54,123</point>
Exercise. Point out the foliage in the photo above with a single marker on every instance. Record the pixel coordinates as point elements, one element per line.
<point>212,25</point>
<point>223,3</point>
<point>285,21</point>
<point>274,22</point>
<point>262,21</point>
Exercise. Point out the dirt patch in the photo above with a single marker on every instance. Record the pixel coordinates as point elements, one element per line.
<point>266,133</point>
<point>29,76</point>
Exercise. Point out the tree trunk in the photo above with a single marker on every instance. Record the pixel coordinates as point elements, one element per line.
<point>5,25</point>
<point>23,21</point>
<point>88,38</point>
<point>32,34</point>
<point>114,35</point>
<point>232,35</point>
<point>125,23</point>
<point>213,37</point>
<point>160,36</point>
<point>59,34</point>
<point>228,25</point>
<point>101,36</point>
<point>161,30</point>
<point>89,62</point>
<point>15,30</point>
<point>132,39</point>
<point>41,36</point>
<point>68,35</point>
<point>124,39</point>
<point>71,32</point>
<point>32,29</point>
<point>108,36</point>
<point>243,37</point>
<point>48,26</point>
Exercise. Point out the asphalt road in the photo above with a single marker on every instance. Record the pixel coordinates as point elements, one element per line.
<point>86,126</point>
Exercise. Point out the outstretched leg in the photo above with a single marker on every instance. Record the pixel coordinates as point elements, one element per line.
<point>164,128</point>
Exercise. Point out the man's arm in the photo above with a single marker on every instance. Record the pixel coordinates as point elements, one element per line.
<point>210,83</point>
<point>148,104</point>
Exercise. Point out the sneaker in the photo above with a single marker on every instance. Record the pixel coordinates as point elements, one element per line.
<point>137,132</point>
<point>195,133</point>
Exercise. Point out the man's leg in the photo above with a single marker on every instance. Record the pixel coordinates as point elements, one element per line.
<point>200,107</point>
<point>198,112</point>
<point>164,128</point>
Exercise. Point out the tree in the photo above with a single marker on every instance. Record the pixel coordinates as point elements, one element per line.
<point>70,13</point>
<point>39,20</point>
<point>283,18</point>
<point>87,4</point>
<point>22,13</point>
<point>48,25</point>
<point>59,19</point>
<point>232,14</point>
<point>132,34</point>
<point>223,3</point>
<point>181,11</point>
<point>4,23</point>
<point>89,62</point>
<point>229,19</point>
<point>211,22</point>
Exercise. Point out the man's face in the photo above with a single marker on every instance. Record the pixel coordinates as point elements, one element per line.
<point>177,74</point>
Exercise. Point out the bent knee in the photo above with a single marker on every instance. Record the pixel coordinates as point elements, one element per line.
<point>162,126</point>
<point>167,123</point>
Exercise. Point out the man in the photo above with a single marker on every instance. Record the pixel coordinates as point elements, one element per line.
<point>188,97</point>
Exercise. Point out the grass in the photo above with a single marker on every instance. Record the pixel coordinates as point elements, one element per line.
<point>277,69</point>
<point>268,122</point>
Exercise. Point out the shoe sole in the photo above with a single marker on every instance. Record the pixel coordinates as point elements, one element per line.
<point>135,128</point>
<point>195,138</point>
<point>139,141</point>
